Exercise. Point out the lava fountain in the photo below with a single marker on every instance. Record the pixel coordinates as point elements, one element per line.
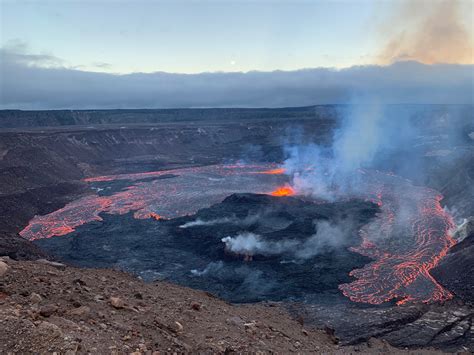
<point>285,190</point>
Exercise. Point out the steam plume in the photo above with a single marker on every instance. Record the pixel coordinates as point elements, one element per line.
<point>327,236</point>
<point>328,172</point>
<point>212,222</point>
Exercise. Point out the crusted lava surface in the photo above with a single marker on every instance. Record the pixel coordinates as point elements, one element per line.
<point>190,250</point>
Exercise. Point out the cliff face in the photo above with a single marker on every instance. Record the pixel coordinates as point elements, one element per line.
<point>38,158</point>
<point>54,118</point>
<point>456,270</point>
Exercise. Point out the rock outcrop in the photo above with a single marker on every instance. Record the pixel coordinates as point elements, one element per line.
<point>456,270</point>
<point>45,310</point>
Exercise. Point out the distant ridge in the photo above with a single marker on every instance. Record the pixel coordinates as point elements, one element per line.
<point>11,119</point>
<point>54,118</point>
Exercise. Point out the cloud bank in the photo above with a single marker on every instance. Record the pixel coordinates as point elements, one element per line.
<point>30,81</point>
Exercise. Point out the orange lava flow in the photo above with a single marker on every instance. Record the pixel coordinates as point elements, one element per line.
<point>283,191</point>
<point>188,190</point>
<point>407,239</point>
<point>278,171</point>
<point>155,216</point>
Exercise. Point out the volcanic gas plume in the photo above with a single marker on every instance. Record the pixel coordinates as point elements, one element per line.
<point>412,231</point>
<point>438,33</point>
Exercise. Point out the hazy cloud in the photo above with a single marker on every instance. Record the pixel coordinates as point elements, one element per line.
<point>32,81</point>
<point>17,51</point>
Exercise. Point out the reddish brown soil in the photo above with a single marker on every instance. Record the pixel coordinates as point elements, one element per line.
<point>47,307</point>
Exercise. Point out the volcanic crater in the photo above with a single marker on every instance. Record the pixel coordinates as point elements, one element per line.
<point>175,203</point>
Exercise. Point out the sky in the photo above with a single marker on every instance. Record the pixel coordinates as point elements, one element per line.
<point>76,47</point>
<point>194,36</point>
<point>201,36</point>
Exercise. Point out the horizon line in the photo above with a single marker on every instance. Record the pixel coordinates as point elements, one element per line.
<point>238,108</point>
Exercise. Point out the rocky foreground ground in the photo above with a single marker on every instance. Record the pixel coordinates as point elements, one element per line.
<point>47,307</point>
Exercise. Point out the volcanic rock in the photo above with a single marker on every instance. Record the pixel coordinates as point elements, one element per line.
<point>116,302</point>
<point>235,321</point>
<point>47,330</point>
<point>196,306</point>
<point>57,265</point>
<point>35,298</point>
<point>444,326</point>
<point>18,248</point>
<point>177,327</point>
<point>465,230</point>
<point>456,270</point>
<point>48,310</point>
<point>161,328</point>
<point>80,311</point>
<point>3,268</point>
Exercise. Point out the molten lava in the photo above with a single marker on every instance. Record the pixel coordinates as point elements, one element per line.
<point>278,171</point>
<point>183,191</point>
<point>283,191</point>
<point>405,241</point>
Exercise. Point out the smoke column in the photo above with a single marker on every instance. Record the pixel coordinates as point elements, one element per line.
<point>435,31</point>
